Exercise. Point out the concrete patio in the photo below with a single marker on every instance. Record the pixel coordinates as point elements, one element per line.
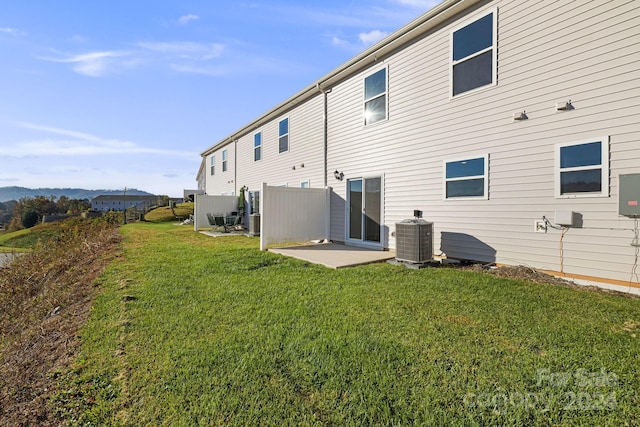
<point>334,255</point>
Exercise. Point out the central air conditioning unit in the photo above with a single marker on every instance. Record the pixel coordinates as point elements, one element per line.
<point>254,224</point>
<point>414,241</point>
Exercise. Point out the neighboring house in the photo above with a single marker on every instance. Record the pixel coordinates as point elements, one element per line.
<point>117,203</point>
<point>489,116</point>
<point>201,178</point>
<point>188,195</point>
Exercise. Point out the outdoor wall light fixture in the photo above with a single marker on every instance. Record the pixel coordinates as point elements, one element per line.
<point>520,116</point>
<point>293,167</point>
<point>301,165</point>
<point>338,175</point>
<point>564,106</point>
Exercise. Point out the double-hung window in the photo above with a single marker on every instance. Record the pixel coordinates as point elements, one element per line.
<point>257,146</point>
<point>224,160</point>
<point>375,97</point>
<point>582,168</point>
<point>467,178</point>
<point>213,165</point>
<point>473,54</point>
<point>283,135</point>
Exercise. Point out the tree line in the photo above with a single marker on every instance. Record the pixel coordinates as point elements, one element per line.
<point>29,211</point>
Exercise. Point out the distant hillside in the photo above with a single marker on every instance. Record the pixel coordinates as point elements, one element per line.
<point>16,193</point>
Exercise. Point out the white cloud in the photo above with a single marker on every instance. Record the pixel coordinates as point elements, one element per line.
<point>77,143</point>
<point>11,31</point>
<point>372,37</point>
<point>97,64</point>
<point>79,39</point>
<point>190,50</point>
<point>187,18</point>
<point>192,69</point>
<point>337,41</point>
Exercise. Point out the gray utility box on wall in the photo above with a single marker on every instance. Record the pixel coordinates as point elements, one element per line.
<point>629,195</point>
<point>414,241</point>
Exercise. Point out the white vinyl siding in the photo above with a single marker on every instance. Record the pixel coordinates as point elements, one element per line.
<point>549,52</point>
<point>274,169</point>
<point>582,168</point>
<point>219,182</point>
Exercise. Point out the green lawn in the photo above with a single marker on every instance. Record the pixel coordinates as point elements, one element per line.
<point>192,330</point>
<point>24,240</point>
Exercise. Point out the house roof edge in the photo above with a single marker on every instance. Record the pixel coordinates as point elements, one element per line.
<point>407,33</point>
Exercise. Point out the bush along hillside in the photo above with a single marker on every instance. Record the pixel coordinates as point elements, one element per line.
<point>45,295</point>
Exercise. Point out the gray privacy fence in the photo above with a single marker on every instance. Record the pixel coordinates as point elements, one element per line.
<point>289,214</point>
<point>209,205</point>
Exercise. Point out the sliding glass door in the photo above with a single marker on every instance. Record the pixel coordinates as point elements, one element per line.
<point>364,201</point>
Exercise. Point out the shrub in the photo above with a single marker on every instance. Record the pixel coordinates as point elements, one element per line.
<point>29,219</point>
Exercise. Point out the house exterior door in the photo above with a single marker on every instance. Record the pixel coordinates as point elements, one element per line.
<point>364,211</point>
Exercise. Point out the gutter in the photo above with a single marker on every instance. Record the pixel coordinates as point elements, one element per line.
<point>419,26</point>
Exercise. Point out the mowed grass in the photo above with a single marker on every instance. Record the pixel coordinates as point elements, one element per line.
<point>19,241</point>
<point>166,214</point>
<point>193,330</point>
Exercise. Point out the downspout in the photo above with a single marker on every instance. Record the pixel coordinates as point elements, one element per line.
<point>325,137</point>
<point>235,167</point>
<point>325,131</point>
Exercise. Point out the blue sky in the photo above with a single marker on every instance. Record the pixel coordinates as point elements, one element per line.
<point>112,94</point>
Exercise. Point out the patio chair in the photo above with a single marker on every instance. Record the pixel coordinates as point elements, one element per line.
<point>217,221</point>
<point>232,222</point>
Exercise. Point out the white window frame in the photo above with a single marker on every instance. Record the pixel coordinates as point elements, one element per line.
<point>306,181</point>
<point>257,147</point>
<point>224,160</point>
<point>385,94</point>
<point>604,166</point>
<point>485,196</point>
<point>288,134</point>
<point>213,164</point>
<point>494,47</point>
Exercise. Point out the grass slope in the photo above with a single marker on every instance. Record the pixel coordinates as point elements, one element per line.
<point>192,330</point>
<point>166,214</point>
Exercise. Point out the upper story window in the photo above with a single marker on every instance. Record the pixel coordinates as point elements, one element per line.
<point>473,61</point>
<point>283,135</point>
<point>224,160</point>
<point>257,146</point>
<point>582,168</point>
<point>213,165</point>
<point>467,178</point>
<point>375,97</point>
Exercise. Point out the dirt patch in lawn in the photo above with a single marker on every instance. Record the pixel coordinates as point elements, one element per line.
<point>520,272</point>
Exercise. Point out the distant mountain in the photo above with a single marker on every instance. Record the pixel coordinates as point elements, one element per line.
<point>17,193</point>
